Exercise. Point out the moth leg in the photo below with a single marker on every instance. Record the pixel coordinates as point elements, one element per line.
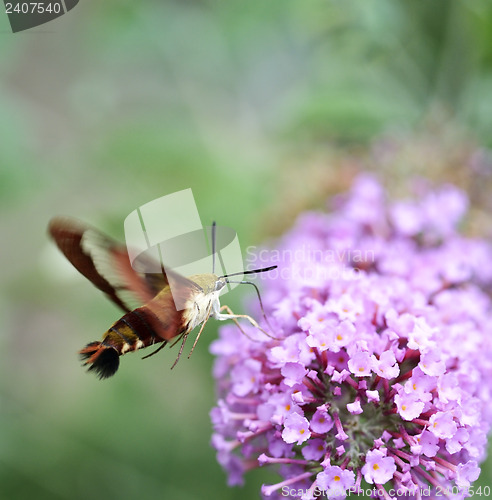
<point>241,329</point>
<point>201,329</point>
<point>180,336</point>
<point>185,336</point>
<point>234,317</point>
<point>164,343</point>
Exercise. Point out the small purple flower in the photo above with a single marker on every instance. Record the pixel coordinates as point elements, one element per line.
<point>246,377</point>
<point>296,429</point>
<point>335,480</point>
<point>355,408</point>
<point>442,425</point>
<point>372,396</point>
<point>431,363</point>
<point>314,449</point>
<point>380,366</point>
<point>386,366</point>
<point>293,373</point>
<point>420,385</point>
<point>408,405</point>
<point>467,473</point>
<point>428,444</point>
<point>360,364</point>
<point>378,468</point>
<point>321,422</point>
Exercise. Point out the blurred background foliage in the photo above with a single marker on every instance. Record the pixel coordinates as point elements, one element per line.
<point>264,109</point>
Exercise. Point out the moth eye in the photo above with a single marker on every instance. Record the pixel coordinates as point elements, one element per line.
<point>219,284</point>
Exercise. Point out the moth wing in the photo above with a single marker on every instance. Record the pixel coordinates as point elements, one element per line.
<point>106,264</point>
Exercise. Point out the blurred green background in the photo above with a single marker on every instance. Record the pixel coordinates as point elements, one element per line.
<point>263,108</point>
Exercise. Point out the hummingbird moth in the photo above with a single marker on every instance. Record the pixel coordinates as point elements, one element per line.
<point>156,320</point>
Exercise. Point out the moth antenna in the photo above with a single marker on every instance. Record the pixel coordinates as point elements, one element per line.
<point>213,246</point>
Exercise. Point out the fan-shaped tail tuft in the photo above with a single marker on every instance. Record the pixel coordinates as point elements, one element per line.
<point>103,360</point>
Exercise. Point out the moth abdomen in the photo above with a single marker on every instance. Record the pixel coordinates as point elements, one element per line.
<point>131,332</point>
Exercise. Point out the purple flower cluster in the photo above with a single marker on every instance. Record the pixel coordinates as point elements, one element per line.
<point>381,366</point>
